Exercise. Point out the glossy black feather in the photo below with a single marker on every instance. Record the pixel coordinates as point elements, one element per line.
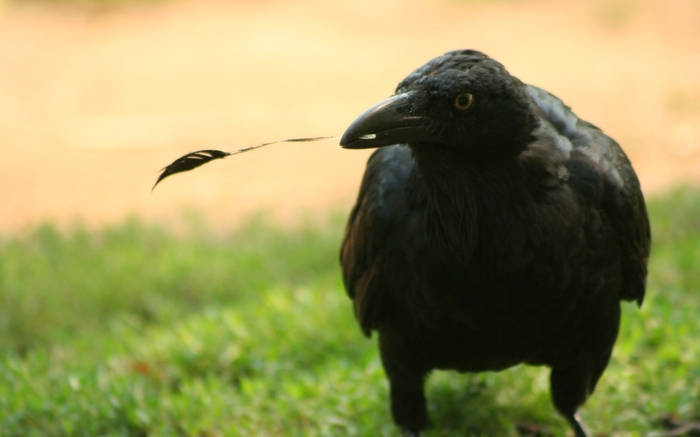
<point>510,239</point>
<point>190,161</point>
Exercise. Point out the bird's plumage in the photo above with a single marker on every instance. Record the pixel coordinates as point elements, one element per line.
<point>505,233</point>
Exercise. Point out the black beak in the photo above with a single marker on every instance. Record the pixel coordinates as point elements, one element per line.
<point>386,123</point>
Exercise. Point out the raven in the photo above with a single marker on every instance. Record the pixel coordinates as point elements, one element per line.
<point>493,227</point>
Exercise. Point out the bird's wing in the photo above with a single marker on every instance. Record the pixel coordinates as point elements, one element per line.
<point>600,171</point>
<point>370,244</point>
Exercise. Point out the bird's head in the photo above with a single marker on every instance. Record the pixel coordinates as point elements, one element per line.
<point>463,100</point>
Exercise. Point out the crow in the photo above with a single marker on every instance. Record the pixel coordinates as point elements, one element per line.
<point>493,227</point>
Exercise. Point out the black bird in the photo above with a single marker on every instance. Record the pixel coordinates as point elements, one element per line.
<point>493,227</point>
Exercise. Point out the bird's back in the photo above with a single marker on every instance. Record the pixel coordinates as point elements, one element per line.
<point>602,174</point>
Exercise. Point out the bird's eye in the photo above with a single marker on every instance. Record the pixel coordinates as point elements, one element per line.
<point>464,101</point>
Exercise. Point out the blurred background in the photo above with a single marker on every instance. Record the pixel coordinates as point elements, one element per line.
<point>126,312</point>
<point>96,96</point>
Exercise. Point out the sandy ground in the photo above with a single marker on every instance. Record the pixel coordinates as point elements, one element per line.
<point>94,102</point>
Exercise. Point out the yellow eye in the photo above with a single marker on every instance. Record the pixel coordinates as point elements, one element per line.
<point>464,101</point>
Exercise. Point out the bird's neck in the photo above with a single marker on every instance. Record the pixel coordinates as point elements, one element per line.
<point>457,188</point>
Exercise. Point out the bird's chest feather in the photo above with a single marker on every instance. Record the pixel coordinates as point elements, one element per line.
<point>504,257</point>
<point>500,269</point>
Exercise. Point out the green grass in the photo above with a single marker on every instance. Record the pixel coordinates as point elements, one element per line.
<point>133,331</point>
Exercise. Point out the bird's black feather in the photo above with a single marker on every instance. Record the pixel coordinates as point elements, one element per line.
<point>190,161</point>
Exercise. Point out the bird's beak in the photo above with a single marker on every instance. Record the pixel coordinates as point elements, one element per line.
<point>386,123</point>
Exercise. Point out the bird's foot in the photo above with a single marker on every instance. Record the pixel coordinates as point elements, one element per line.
<point>577,425</point>
<point>410,433</point>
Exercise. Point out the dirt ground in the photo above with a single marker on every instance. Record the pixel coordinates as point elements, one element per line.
<point>94,101</point>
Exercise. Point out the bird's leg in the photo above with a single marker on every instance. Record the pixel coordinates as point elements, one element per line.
<point>576,424</point>
<point>406,376</point>
<point>570,388</point>
<point>408,405</point>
